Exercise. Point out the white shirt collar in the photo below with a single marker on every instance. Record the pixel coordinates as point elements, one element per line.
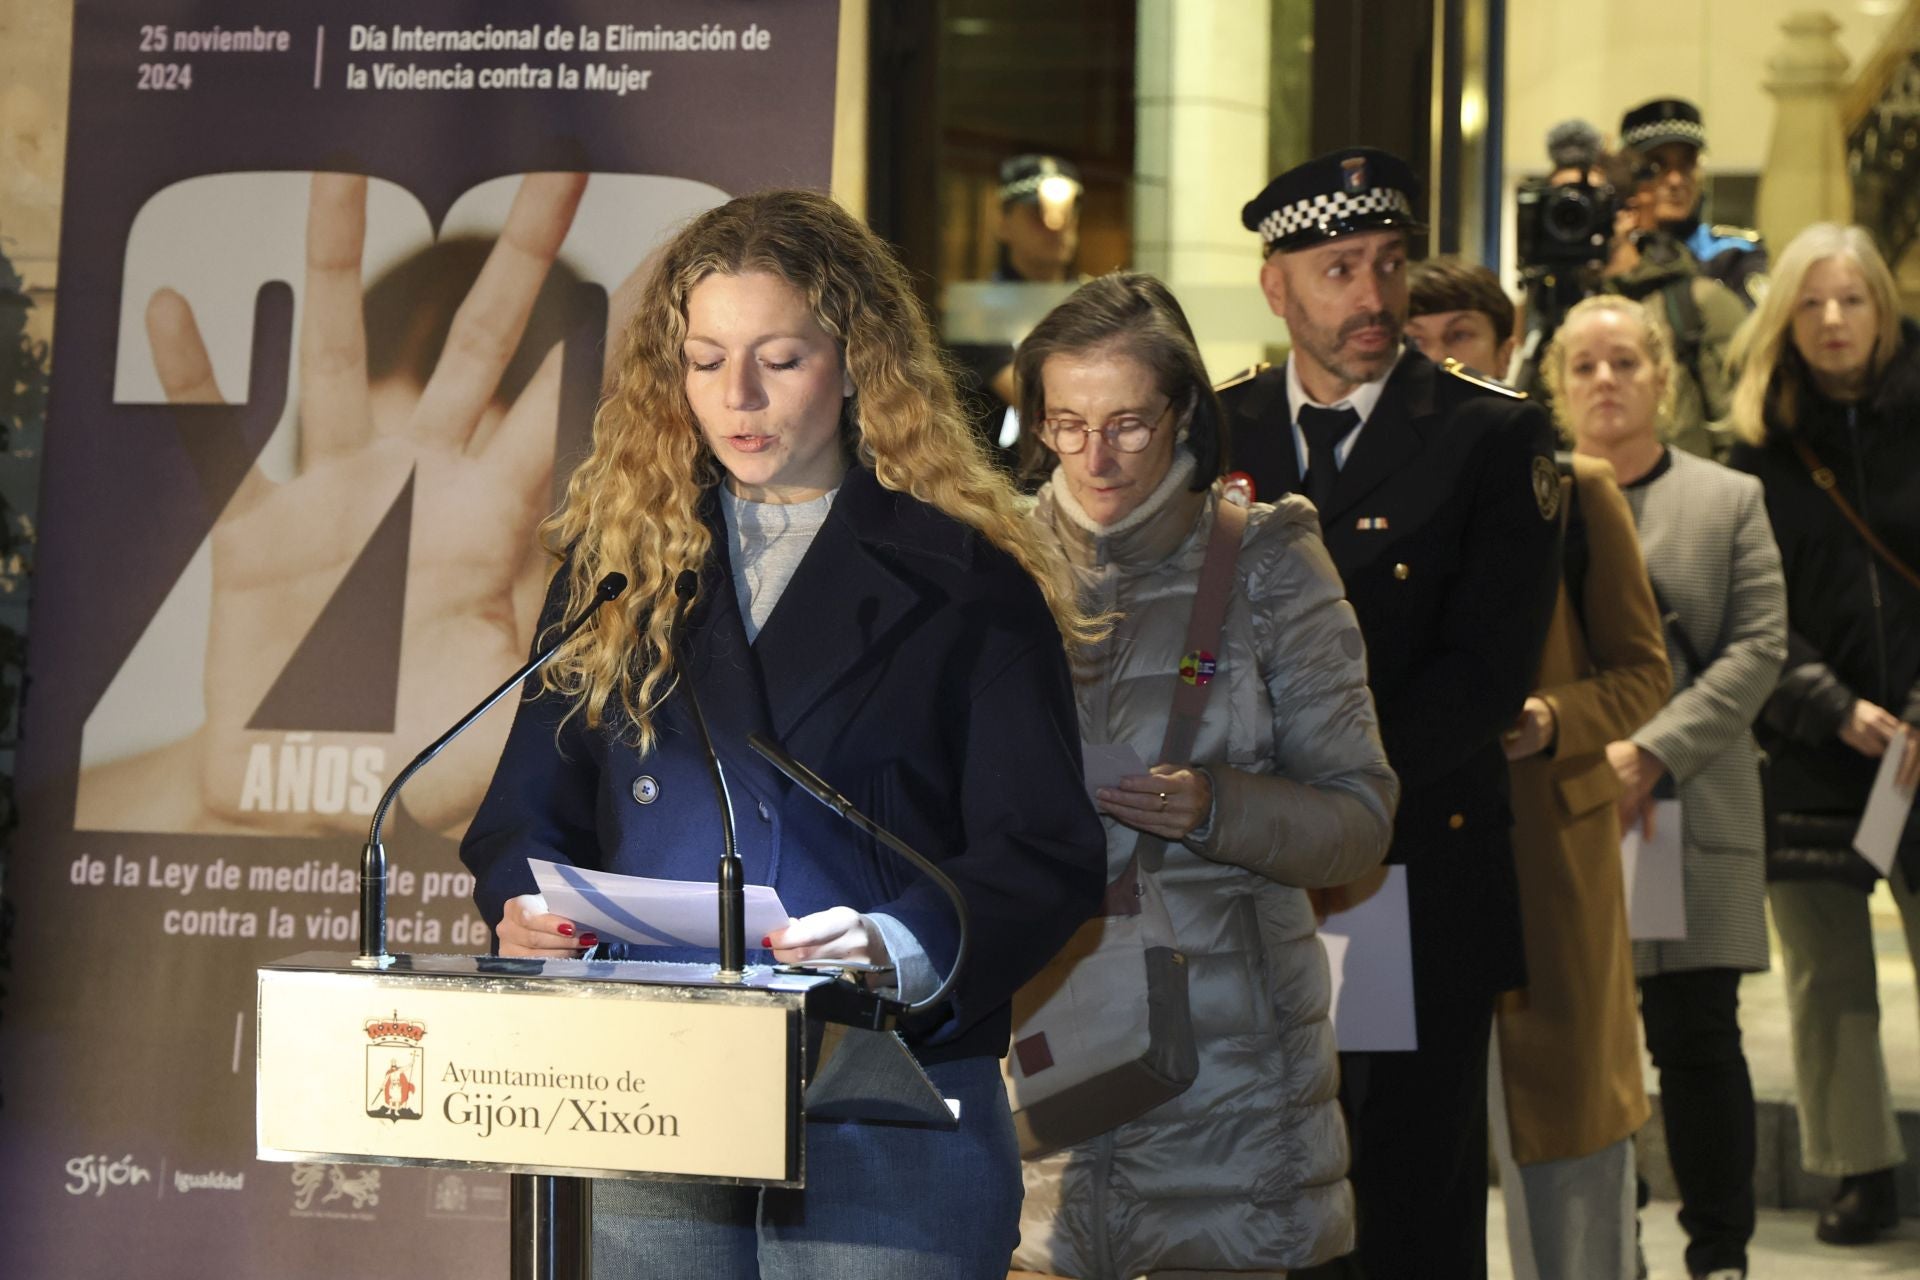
<point>1361,399</point>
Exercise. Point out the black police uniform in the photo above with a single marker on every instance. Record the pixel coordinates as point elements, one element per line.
<point>1735,256</point>
<point>979,363</point>
<point>1444,524</point>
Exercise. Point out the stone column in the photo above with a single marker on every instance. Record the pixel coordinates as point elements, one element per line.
<point>849,180</point>
<point>1805,179</point>
<point>1201,153</point>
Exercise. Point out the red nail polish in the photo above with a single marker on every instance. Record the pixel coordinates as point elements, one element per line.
<point>589,939</point>
<point>766,942</point>
<point>565,929</point>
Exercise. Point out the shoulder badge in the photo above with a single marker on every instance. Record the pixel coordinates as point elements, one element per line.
<point>1247,374</point>
<point>1727,231</point>
<point>1484,381</point>
<point>1546,486</point>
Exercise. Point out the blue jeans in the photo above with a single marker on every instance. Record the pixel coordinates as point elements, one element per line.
<point>881,1201</point>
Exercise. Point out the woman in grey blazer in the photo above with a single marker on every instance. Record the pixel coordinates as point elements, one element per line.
<point>1716,575</point>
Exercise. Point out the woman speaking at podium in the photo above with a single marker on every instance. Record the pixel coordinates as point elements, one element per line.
<point>871,598</point>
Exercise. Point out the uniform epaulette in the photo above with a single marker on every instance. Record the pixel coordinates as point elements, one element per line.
<point>1247,374</point>
<point>1727,231</point>
<point>1467,374</point>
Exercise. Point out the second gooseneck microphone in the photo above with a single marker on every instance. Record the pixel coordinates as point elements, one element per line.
<point>731,878</point>
<point>373,856</point>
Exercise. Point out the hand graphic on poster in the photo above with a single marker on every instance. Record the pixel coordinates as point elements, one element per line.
<point>481,467</point>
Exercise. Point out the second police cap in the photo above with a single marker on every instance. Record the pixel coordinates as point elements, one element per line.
<point>1338,194</point>
<point>1663,120</point>
<point>1023,176</point>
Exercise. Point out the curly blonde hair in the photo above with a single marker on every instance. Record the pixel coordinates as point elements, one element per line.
<point>1654,339</point>
<point>632,506</point>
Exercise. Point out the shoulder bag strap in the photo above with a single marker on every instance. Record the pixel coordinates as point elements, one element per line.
<point>1823,479</point>
<point>1204,626</point>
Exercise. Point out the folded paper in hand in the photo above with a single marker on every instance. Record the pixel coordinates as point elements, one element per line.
<point>652,913</point>
<point>1656,879</point>
<point>1108,762</point>
<point>1878,839</point>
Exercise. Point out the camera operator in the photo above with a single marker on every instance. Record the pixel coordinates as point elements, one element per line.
<point>1589,228</point>
<point>1669,133</point>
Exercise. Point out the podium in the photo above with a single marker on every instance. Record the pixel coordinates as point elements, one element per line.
<point>563,1070</point>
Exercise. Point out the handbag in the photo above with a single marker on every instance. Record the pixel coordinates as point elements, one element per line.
<point>1819,846</point>
<point>1103,1034</point>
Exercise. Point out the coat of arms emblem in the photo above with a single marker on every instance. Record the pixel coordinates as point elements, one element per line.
<point>396,1067</point>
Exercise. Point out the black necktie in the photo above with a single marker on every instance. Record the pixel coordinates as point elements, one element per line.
<point>1324,428</point>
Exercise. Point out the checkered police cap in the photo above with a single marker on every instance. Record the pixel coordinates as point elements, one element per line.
<point>1021,176</point>
<point>1663,120</point>
<point>1341,194</point>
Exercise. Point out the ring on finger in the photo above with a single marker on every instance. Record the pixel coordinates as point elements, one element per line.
<point>1163,800</point>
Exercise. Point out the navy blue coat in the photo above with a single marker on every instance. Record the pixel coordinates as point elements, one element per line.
<point>1444,525</point>
<point>914,666</point>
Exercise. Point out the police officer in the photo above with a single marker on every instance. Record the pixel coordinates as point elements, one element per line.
<point>1439,501</point>
<point>1669,135</point>
<point>1039,239</point>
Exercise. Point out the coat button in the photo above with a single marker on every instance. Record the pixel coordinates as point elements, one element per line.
<point>645,789</point>
<point>1457,821</point>
<point>766,814</point>
<point>1400,572</point>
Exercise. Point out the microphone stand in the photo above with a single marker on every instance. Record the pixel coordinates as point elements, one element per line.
<point>817,787</point>
<point>373,858</point>
<point>731,878</point>
<point>550,1219</point>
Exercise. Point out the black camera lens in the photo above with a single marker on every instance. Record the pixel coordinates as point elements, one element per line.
<point>1569,215</point>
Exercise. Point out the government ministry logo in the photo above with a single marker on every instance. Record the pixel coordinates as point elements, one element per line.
<point>396,1066</point>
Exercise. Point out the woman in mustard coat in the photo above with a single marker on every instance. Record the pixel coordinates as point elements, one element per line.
<point>1568,1043</point>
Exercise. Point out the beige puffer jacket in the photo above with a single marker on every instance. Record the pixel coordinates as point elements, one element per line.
<point>1247,1169</point>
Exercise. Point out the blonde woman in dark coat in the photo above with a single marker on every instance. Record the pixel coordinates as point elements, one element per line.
<point>1831,367</point>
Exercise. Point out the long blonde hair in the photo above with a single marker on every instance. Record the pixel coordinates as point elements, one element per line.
<point>1654,338</point>
<point>1773,375</point>
<point>632,506</point>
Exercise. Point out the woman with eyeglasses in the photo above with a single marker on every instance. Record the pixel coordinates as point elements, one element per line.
<point>1286,789</point>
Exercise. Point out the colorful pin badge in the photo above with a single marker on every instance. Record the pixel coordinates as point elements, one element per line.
<point>1198,667</point>
<point>1238,486</point>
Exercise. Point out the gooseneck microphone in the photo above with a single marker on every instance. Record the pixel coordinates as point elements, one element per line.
<point>731,879</point>
<point>817,787</point>
<point>373,858</point>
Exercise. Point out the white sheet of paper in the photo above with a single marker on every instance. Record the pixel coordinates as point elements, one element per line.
<point>1656,889</point>
<point>1878,838</point>
<point>652,913</point>
<point>1370,955</point>
<point>1106,763</point>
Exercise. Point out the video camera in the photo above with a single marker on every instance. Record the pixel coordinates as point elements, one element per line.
<point>1564,226</point>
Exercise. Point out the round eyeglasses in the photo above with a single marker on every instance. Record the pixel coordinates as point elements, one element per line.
<point>1126,433</point>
